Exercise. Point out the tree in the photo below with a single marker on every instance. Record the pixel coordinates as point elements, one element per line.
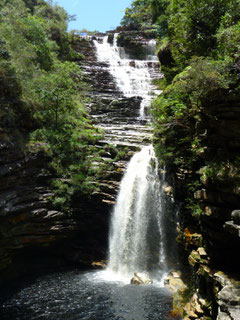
<point>145,13</point>
<point>193,25</point>
<point>55,93</point>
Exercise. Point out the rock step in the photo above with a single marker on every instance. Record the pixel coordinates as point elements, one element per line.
<point>128,139</point>
<point>117,115</point>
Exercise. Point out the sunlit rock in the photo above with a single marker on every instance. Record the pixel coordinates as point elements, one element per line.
<point>236,216</point>
<point>194,309</point>
<point>99,264</point>
<point>141,278</point>
<point>168,190</point>
<point>174,282</point>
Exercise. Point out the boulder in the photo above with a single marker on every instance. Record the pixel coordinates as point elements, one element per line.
<point>168,190</point>
<point>141,278</point>
<point>193,308</point>
<point>236,216</point>
<point>99,264</point>
<point>174,282</point>
<point>229,302</point>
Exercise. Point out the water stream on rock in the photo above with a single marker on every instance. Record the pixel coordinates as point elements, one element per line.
<point>132,76</point>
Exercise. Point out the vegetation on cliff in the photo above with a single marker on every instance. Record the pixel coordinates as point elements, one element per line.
<point>198,47</point>
<point>41,91</point>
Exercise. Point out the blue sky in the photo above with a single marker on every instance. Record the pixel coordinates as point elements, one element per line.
<point>101,15</point>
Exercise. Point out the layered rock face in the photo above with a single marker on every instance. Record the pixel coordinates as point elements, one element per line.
<point>33,235</point>
<point>211,237</point>
<point>26,220</point>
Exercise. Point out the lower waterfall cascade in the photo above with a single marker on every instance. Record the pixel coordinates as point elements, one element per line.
<point>137,238</point>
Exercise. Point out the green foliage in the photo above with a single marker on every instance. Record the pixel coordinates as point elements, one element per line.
<point>192,30</point>
<point>56,20</point>
<point>225,171</point>
<point>41,94</point>
<point>84,30</point>
<point>54,93</point>
<point>69,147</point>
<point>200,61</point>
<point>137,14</point>
<point>147,13</point>
<point>186,28</point>
<point>160,83</point>
<point>10,91</point>
<point>177,110</point>
<point>36,35</point>
<point>12,26</point>
<point>121,155</point>
<point>193,207</point>
<point>229,50</point>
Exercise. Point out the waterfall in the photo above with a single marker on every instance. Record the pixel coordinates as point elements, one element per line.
<point>137,230</point>
<point>132,76</point>
<point>138,237</point>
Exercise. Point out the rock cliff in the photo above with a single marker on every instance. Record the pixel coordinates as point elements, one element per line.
<point>210,234</point>
<point>34,236</point>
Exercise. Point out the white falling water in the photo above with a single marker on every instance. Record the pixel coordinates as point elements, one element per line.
<point>132,76</point>
<point>137,237</point>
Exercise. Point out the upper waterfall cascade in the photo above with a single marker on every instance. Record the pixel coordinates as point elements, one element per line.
<point>132,76</point>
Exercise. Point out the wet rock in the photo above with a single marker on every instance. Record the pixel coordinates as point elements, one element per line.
<point>194,309</point>
<point>196,258</point>
<point>202,252</point>
<point>229,302</point>
<point>132,63</point>
<point>201,195</point>
<point>99,264</point>
<point>30,228</point>
<point>165,55</point>
<point>168,190</point>
<point>116,115</point>
<point>141,278</point>
<point>223,316</point>
<point>236,216</point>
<point>233,228</point>
<point>174,282</point>
<point>191,237</point>
<point>221,278</point>
<point>134,44</point>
